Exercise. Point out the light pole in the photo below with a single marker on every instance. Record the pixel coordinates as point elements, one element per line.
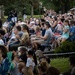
<point>40,7</point>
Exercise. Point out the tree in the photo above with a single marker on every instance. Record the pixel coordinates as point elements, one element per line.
<point>34,4</point>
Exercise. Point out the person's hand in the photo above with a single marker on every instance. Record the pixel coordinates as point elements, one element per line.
<point>17,36</point>
<point>38,36</point>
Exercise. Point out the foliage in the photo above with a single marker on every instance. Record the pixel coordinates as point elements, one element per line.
<point>58,5</point>
<point>65,47</point>
<point>62,64</point>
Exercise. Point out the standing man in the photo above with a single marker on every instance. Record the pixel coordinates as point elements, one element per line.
<point>24,14</point>
<point>14,16</point>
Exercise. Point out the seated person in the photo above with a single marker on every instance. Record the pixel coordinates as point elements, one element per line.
<point>48,35</point>
<point>37,30</point>
<point>59,27</point>
<point>1,35</point>
<point>16,33</point>
<point>65,34</point>
<point>43,29</point>
<point>24,40</point>
<point>72,31</point>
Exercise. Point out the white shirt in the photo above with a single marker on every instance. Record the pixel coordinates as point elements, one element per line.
<point>1,42</point>
<point>30,63</point>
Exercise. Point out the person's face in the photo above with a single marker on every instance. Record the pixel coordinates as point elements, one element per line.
<point>16,58</point>
<point>65,23</point>
<point>45,26</point>
<point>15,31</point>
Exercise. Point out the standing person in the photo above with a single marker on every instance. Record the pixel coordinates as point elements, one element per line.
<point>16,17</point>
<point>24,14</point>
<point>10,15</point>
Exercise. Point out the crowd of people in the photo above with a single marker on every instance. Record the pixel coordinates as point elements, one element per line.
<point>22,54</point>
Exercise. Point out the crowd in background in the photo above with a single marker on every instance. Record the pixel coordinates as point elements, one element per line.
<point>22,55</point>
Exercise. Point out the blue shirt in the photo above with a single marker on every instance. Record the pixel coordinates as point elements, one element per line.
<point>72,30</point>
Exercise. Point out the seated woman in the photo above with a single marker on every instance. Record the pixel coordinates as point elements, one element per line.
<point>38,30</point>
<point>65,34</point>
<point>24,40</point>
<point>53,26</point>
<point>59,27</point>
<point>15,33</point>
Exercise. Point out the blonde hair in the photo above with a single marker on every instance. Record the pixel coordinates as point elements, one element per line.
<point>37,28</point>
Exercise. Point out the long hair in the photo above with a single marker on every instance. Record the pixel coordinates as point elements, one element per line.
<point>4,51</point>
<point>25,27</point>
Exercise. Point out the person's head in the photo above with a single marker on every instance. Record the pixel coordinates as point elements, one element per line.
<point>3,52</point>
<point>42,25</point>
<point>42,68</point>
<point>72,61</point>
<point>25,28</point>
<point>44,58</point>
<point>66,22</point>
<point>47,25</point>
<point>53,71</point>
<point>21,50</point>
<point>17,29</point>
<point>2,32</point>
<point>15,57</point>
<point>71,22</point>
<point>21,65</point>
<point>30,53</point>
<point>37,29</point>
<point>54,18</point>
<point>39,53</point>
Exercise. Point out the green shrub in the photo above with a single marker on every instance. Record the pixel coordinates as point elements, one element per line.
<point>65,47</point>
<point>62,64</point>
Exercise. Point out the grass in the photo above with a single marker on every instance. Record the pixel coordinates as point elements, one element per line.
<point>28,16</point>
<point>62,64</point>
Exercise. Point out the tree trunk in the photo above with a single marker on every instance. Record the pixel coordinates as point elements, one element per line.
<point>32,11</point>
<point>0,11</point>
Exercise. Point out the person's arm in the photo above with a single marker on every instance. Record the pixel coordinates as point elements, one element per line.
<point>66,30</point>
<point>54,24</point>
<point>72,32</point>
<point>44,37</point>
